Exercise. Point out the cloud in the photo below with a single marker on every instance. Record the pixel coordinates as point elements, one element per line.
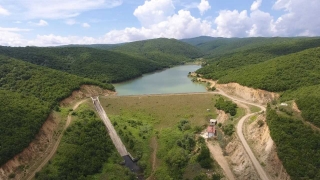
<point>17,22</point>
<point>54,40</point>
<point>4,12</point>
<point>255,5</point>
<point>86,25</point>
<point>300,18</point>
<point>13,30</point>
<point>159,19</point>
<point>11,36</point>
<point>40,23</point>
<point>204,6</point>
<point>154,11</point>
<point>71,22</point>
<point>58,9</point>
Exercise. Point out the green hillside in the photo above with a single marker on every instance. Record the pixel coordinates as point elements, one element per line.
<point>27,94</point>
<point>102,65</point>
<point>166,52</point>
<point>290,66</point>
<point>298,74</point>
<point>254,54</point>
<point>198,41</point>
<point>277,45</point>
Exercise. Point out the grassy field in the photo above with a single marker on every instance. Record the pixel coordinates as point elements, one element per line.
<point>164,111</point>
<point>137,119</point>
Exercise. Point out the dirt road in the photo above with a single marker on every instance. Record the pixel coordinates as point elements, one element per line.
<point>112,132</point>
<point>254,160</point>
<point>216,151</point>
<point>31,175</point>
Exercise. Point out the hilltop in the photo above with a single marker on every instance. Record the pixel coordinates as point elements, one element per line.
<point>167,52</point>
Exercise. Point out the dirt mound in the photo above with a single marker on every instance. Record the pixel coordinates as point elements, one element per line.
<point>37,149</point>
<point>240,161</point>
<point>249,94</point>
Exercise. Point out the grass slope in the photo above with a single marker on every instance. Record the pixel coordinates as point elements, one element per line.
<point>28,93</point>
<point>167,52</point>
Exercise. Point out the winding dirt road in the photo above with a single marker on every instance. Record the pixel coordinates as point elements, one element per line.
<point>253,159</point>
<point>31,174</point>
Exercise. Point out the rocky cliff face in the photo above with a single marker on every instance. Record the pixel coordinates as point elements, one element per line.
<point>258,136</point>
<point>249,94</point>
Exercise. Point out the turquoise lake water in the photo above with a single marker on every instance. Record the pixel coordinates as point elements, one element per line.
<point>172,80</point>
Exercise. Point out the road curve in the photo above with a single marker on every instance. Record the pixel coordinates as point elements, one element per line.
<point>254,160</point>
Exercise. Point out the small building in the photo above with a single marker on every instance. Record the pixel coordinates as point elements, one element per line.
<point>283,104</point>
<point>213,122</point>
<point>211,130</point>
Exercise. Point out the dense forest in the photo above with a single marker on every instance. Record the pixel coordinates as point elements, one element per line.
<point>102,65</point>
<point>28,93</point>
<point>297,145</point>
<point>167,52</point>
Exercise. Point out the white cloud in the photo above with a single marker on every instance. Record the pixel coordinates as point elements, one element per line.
<point>71,22</point>
<point>17,22</point>
<point>11,36</point>
<point>40,23</point>
<point>300,18</point>
<point>54,40</point>
<point>204,6</point>
<point>58,9</point>
<point>154,11</point>
<point>159,19</point>
<point>13,29</point>
<point>4,12</point>
<point>86,25</point>
<point>255,5</point>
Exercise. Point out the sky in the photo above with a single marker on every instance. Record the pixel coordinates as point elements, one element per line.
<point>61,22</point>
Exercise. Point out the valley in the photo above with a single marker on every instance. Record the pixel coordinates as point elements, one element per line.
<point>53,130</point>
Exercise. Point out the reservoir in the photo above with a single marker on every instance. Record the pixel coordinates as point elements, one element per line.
<point>172,80</point>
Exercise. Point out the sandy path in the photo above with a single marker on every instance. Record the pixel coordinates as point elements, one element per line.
<point>56,145</point>
<point>216,151</point>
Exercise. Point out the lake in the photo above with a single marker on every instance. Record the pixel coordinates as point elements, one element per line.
<point>172,80</point>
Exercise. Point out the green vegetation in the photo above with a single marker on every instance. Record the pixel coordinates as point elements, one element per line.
<point>226,106</point>
<point>297,145</point>
<point>172,121</point>
<point>28,93</point>
<point>102,65</point>
<point>135,130</point>
<point>84,151</point>
<point>166,52</point>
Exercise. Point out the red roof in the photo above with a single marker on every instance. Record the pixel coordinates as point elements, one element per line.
<point>210,129</point>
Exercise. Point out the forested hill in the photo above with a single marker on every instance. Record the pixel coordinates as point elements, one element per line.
<point>167,52</point>
<point>291,67</point>
<point>219,47</point>
<point>102,65</point>
<point>27,94</point>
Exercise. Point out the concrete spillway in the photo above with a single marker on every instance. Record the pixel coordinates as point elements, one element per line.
<point>115,138</point>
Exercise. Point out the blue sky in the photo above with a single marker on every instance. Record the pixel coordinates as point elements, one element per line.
<point>59,22</point>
